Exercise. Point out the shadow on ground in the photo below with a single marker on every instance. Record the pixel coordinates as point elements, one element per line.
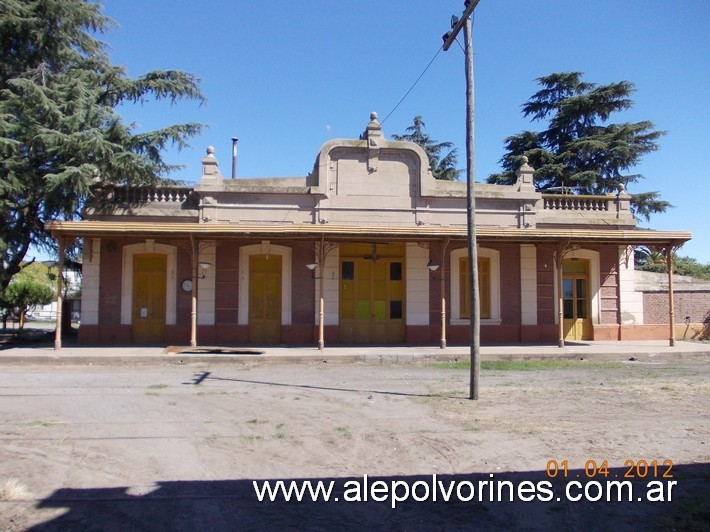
<point>27,336</point>
<point>233,504</point>
<point>199,378</point>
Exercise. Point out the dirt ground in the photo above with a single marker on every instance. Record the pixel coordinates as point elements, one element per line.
<point>177,447</point>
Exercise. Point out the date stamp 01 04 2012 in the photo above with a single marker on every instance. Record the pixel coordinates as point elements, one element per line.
<point>633,469</point>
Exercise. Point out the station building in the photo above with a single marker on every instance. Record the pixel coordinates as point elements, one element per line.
<point>367,249</point>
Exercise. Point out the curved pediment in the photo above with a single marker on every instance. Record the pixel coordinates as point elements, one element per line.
<point>371,166</point>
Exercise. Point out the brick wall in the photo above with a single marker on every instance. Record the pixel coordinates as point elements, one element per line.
<point>691,298</point>
<point>694,304</point>
<point>509,283</point>
<point>227,283</point>
<point>110,283</point>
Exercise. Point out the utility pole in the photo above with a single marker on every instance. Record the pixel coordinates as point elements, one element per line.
<point>475,318</point>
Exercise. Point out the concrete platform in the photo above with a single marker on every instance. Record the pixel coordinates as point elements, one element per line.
<point>103,355</point>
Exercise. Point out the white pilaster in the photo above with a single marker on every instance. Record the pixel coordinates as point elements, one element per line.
<point>630,301</point>
<point>528,284</point>
<point>206,286</point>
<point>417,285</point>
<point>90,280</point>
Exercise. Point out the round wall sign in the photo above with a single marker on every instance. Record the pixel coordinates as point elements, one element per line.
<point>187,285</point>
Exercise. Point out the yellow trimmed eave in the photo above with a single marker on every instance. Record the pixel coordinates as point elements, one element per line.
<point>215,230</point>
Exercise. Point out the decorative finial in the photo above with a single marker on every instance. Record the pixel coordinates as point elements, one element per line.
<point>525,159</point>
<point>210,166</point>
<point>374,124</point>
<point>375,140</point>
<point>621,188</point>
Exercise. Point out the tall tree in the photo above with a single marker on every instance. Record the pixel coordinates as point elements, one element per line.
<point>579,149</point>
<point>442,155</point>
<point>60,131</point>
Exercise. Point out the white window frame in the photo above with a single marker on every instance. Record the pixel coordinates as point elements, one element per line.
<point>594,286</point>
<point>493,255</point>
<point>245,252</point>
<point>149,246</point>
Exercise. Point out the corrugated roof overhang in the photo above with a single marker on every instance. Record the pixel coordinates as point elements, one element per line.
<point>349,232</point>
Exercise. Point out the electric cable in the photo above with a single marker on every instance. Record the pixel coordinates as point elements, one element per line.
<point>473,19</point>
<point>414,84</point>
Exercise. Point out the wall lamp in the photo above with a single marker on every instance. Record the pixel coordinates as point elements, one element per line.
<point>51,264</point>
<point>432,265</point>
<point>204,266</point>
<point>312,266</point>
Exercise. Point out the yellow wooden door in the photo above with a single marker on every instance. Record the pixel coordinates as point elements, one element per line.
<point>379,299</point>
<point>396,329</point>
<point>149,298</point>
<point>265,299</point>
<point>371,299</point>
<point>575,300</point>
<point>363,317</point>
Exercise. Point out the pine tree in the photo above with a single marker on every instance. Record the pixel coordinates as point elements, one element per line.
<point>60,132</point>
<point>576,150</point>
<point>442,167</point>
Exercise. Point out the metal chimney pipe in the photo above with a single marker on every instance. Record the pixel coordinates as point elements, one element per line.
<point>234,157</point>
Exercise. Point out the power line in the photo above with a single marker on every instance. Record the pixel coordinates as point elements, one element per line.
<point>473,18</point>
<point>413,85</point>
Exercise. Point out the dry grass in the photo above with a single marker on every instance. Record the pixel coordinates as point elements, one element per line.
<point>14,490</point>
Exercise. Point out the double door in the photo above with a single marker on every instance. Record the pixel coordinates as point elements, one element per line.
<point>372,301</point>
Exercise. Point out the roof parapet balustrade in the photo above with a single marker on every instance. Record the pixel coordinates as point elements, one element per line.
<point>160,200</point>
<point>605,209</point>
<point>155,194</point>
<point>569,202</point>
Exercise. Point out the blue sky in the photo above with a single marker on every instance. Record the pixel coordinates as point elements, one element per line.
<point>287,76</point>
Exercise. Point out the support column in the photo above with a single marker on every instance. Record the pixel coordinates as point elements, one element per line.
<point>321,288</point>
<point>193,310</point>
<point>60,289</point>
<point>322,249</point>
<point>562,249</point>
<point>442,343</point>
<point>671,306</point>
<point>559,262</point>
